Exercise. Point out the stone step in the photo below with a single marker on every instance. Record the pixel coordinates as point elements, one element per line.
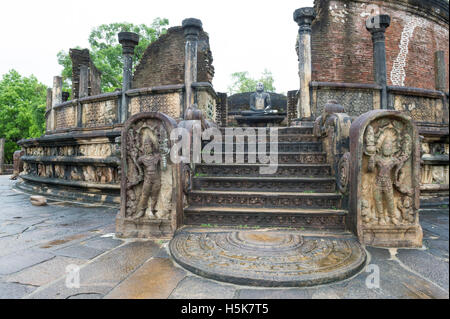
<point>284,138</point>
<point>297,130</point>
<point>266,184</point>
<point>286,147</point>
<point>265,199</point>
<point>283,157</point>
<point>323,219</point>
<point>253,170</point>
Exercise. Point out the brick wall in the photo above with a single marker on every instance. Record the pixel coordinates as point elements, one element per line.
<point>163,61</point>
<point>342,47</point>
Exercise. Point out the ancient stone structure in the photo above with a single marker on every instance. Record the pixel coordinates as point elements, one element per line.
<point>385,173</point>
<point>151,202</point>
<point>85,76</point>
<point>355,57</point>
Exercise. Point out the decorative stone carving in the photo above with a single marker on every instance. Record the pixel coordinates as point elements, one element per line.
<point>150,183</point>
<point>343,173</point>
<point>385,170</point>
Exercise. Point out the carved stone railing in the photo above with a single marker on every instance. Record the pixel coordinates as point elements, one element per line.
<point>151,192</point>
<point>333,128</point>
<point>384,179</point>
<point>102,111</point>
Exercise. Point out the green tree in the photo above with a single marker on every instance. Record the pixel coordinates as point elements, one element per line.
<point>22,109</point>
<point>242,82</point>
<point>106,52</point>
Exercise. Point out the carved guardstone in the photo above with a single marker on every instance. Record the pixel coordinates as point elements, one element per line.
<point>150,188</point>
<point>384,186</point>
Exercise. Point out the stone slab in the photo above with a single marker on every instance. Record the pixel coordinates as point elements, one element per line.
<point>156,279</point>
<point>200,288</point>
<point>79,251</point>
<point>104,273</point>
<point>9,290</point>
<point>45,272</point>
<point>18,261</point>
<point>103,243</point>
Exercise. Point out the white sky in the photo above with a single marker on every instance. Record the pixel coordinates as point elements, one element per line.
<point>244,35</point>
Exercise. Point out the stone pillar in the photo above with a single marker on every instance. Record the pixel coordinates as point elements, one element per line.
<point>2,154</point>
<point>48,110</point>
<point>304,18</point>
<point>84,81</point>
<point>377,26</point>
<point>192,28</point>
<point>56,99</point>
<point>440,71</point>
<point>128,40</point>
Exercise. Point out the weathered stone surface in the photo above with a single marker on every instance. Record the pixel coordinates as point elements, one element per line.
<point>270,259</point>
<point>79,251</point>
<point>45,272</point>
<point>9,290</point>
<point>103,274</point>
<point>199,288</point>
<point>20,260</point>
<point>156,279</point>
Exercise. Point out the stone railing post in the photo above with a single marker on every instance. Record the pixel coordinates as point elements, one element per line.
<point>333,128</point>
<point>128,40</point>
<point>192,28</point>
<point>83,91</point>
<point>384,184</point>
<point>377,26</point>
<point>304,18</point>
<point>56,99</point>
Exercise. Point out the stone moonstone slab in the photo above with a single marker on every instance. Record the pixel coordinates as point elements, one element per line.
<point>269,259</point>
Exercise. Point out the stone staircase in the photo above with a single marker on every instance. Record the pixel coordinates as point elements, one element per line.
<point>301,194</point>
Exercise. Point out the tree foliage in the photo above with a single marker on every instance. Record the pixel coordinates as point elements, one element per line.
<point>106,52</point>
<point>242,82</point>
<point>22,109</point>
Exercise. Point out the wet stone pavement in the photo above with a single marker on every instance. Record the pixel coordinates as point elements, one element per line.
<point>38,245</point>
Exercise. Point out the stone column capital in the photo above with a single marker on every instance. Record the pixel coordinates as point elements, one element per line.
<point>128,40</point>
<point>192,28</point>
<point>304,18</point>
<point>377,25</point>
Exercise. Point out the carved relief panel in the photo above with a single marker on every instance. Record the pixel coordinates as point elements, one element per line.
<point>149,181</point>
<point>385,169</point>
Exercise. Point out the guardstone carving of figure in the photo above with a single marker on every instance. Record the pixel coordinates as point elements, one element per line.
<point>148,150</point>
<point>387,154</point>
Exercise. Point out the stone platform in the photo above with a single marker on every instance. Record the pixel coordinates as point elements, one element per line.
<point>275,258</point>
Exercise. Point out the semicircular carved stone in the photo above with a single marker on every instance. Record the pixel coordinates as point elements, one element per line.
<point>150,182</point>
<point>385,170</point>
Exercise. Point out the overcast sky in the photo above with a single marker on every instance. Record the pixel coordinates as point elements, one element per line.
<point>244,35</point>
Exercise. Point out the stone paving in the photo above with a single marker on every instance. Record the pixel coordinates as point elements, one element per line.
<point>39,244</point>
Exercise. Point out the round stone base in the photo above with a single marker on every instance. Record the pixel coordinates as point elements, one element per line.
<point>267,258</point>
